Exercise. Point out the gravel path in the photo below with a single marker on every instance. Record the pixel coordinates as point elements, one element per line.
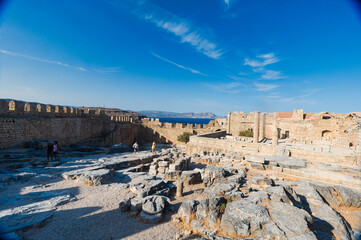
<point>94,216</point>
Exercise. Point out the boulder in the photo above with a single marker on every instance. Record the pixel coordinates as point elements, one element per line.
<point>136,204</point>
<point>243,217</point>
<point>257,197</point>
<point>236,178</point>
<point>186,209</point>
<point>198,227</point>
<point>234,195</point>
<point>209,209</point>
<point>278,193</point>
<point>124,205</point>
<point>218,189</point>
<point>261,180</point>
<point>153,204</point>
<point>326,219</point>
<point>350,197</point>
<point>34,214</point>
<point>211,173</point>
<point>202,208</point>
<point>150,218</point>
<point>290,219</point>
<point>96,177</point>
<point>191,177</point>
<point>271,231</point>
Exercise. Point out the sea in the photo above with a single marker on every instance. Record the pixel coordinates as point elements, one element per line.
<point>186,120</point>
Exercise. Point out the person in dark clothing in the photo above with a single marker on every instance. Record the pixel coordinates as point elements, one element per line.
<point>56,149</point>
<point>49,150</point>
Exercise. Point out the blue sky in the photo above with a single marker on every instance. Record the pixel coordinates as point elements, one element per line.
<point>183,56</point>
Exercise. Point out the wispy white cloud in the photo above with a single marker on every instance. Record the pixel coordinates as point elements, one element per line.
<point>272,75</point>
<point>233,87</point>
<point>263,60</point>
<point>292,100</point>
<point>236,78</point>
<point>304,98</point>
<point>261,87</point>
<point>187,33</point>
<point>108,70</point>
<point>178,65</point>
<point>41,59</point>
<point>267,56</point>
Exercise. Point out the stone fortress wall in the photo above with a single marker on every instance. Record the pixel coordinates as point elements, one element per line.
<point>320,136</point>
<point>21,122</point>
<point>163,132</point>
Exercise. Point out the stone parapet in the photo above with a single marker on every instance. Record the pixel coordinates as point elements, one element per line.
<point>14,108</point>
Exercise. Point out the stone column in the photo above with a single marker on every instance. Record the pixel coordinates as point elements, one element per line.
<point>275,135</point>
<point>256,127</point>
<point>229,123</point>
<point>262,126</point>
<point>179,192</point>
<point>358,147</point>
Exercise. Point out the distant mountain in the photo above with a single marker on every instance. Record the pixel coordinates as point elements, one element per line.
<point>116,112</point>
<point>163,114</point>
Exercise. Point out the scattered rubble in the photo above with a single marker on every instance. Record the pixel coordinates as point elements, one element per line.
<point>233,196</point>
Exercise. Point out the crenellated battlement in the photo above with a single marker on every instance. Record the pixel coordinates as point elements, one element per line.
<point>122,119</point>
<point>15,108</point>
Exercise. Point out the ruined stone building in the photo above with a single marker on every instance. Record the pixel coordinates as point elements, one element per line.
<point>324,136</point>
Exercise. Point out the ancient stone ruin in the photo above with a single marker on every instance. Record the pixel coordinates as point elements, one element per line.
<point>297,177</point>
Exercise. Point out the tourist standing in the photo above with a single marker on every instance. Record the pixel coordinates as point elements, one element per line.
<point>154,148</point>
<point>135,147</point>
<point>49,150</point>
<point>56,149</point>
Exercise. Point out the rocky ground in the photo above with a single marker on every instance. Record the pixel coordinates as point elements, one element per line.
<point>127,196</point>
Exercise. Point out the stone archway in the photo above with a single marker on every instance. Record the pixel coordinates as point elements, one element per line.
<point>326,134</point>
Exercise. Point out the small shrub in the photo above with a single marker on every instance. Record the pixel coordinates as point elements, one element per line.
<point>184,137</point>
<point>246,133</point>
<point>222,208</point>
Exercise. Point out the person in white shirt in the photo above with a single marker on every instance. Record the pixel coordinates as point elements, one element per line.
<point>135,147</point>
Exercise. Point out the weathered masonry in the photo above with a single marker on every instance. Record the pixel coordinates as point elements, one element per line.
<point>21,122</point>
<point>297,127</point>
<point>319,137</point>
<point>165,132</point>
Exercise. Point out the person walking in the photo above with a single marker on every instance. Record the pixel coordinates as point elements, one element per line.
<point>154,148</point>
<point>135,147</point>
<point>49,150</point>
<point>56,149</point>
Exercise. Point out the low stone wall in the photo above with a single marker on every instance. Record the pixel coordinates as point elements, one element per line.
<point>197,144</point>
<point>161,132</point>
<point>209,142</point>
